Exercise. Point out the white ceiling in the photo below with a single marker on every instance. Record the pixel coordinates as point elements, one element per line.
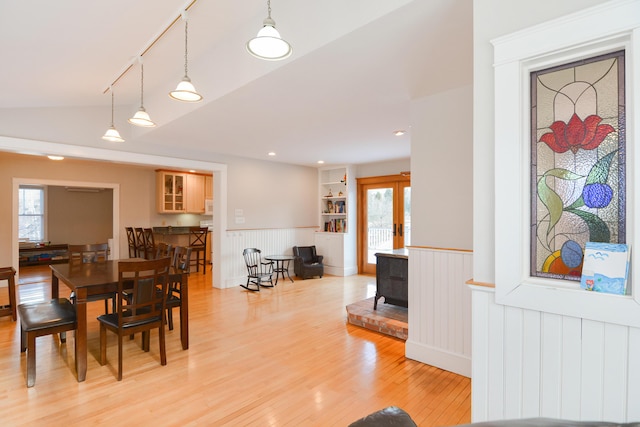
<point>356,67</point>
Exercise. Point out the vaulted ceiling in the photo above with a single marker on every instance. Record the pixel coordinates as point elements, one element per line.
<point>356,67</point>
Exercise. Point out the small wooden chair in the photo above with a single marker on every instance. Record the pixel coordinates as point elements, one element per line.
<point>139,309</point>
<point>149,243</point>
<point>163,250</point>
<point>258,270</point>
<point>82,254</point>
<point>180,264</point>
<point>131,239</point>
<point>198,245</point>
<point>40,319</point>
<point>140,245</point>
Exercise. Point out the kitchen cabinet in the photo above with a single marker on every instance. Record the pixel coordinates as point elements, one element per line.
<point>208,187</point>
<point>171,188</point>
<point>181,192</point>
<point>195,193</point>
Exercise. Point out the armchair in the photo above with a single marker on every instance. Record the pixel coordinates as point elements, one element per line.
<point>307,263</point>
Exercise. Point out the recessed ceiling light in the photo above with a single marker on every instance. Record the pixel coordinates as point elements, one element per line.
<point>271,153</point>
<point>55,157</point>
<point>320,161</point>
<point>399,132</point>
<point>192,170</point>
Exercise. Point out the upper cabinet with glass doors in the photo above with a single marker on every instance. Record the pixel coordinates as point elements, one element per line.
<point>171,192</point>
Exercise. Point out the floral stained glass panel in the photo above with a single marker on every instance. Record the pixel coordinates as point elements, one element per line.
<point>577,162</point>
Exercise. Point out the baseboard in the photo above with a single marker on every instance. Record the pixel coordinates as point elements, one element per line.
<point>340,271</point>
<point>439,358</point>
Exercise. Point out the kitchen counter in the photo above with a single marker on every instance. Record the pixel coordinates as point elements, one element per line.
<point>171,231</point>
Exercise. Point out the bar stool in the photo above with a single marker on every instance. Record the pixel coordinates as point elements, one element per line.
<point>8,274</point>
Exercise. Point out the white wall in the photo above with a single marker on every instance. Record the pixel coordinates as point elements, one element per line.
<point>529,363</point>
<point>391,167</point>
<point>441,170</point>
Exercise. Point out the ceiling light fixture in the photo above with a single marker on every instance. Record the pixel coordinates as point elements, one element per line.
<point>55,157</point>
<point>141,117</point>
<point>112,133</point>
<point>185,91</point>
<point>399,132</point>
<point>268,44</point>
<point>271,153</point>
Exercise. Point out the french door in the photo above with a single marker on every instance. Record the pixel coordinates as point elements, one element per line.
<point>384,217</point>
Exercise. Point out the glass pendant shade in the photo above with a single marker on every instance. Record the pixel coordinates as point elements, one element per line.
<point>268,44</point>
<point>185,91</point>
<point>112,135</point>
<point>141,118</point>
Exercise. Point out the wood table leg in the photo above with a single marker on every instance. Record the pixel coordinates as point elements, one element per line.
<point>81,334</point>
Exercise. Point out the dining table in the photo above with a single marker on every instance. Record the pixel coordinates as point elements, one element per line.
<point>88,279</point>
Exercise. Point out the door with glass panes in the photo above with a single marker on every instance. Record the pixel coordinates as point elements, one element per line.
<point>384,217</point>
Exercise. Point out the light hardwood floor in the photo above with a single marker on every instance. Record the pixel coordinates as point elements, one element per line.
<point>282,357</point>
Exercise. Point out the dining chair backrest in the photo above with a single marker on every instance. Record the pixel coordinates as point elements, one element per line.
<point>84,254</point>
<point>164,250</point>
<point>139,241</point>
<point>139,298</point>
<point>149,243</point>
<point>198,237</point>
<point>131,239</point>
<point>182,258</point>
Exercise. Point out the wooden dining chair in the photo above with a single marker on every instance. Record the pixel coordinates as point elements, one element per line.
<point>198,245</point>
<point>40,319</point>
<point>149,243</point>
<point>131,239</point>
<point>91,253</point>
<point>140,306</point>
<point>140,245</point>
<point>163,250</point>
<point>180,264</point>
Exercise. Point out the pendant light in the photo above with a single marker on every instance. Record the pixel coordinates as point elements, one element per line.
<point>112,133</point>
<point>185,90</point>
<point>268,44</point>
<point>141,117</point>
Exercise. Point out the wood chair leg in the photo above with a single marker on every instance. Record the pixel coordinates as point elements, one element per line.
<point>31,360</point>
<point>119,357</point>
<point>170,318</point>
<point>103,345</point>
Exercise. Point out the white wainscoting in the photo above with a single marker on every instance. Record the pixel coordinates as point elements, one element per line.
<point>528,363</point>
<point>270,241</point>
<point>440,308</point>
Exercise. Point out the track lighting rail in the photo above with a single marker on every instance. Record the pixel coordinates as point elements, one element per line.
<point>147,48</point>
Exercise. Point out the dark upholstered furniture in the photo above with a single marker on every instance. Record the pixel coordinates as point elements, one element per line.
<point>391,416</point>
<point>307,262</point>
<point>549,422</point>
<point>40,319</point>
<point>395,417</point>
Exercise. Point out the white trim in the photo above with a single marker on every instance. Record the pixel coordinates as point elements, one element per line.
<point>601,29</point>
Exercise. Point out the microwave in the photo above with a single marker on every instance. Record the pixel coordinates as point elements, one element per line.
<point>208,207</point>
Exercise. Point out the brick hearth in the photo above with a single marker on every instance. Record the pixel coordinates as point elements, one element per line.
<point>387,319</point>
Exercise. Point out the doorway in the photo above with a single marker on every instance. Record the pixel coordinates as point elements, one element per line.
<point>384,217</point>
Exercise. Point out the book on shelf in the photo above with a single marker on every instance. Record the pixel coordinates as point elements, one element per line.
<point>338,225</point>
<point>605,267</point>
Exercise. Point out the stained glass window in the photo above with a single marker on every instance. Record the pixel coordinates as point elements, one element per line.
<point>577,162</point>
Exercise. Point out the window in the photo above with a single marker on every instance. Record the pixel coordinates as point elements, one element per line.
<point>31,213</point>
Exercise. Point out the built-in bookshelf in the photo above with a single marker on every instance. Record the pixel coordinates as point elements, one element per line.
<point>333,200</point>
